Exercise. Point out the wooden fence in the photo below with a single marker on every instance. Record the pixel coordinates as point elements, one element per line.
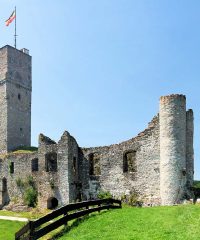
<point>34,229</point>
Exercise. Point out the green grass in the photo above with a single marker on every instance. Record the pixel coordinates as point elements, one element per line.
<point>25,149</point>
<point>8,229</point>
<point>30,215</point>
<point>163,223</point>
<point>156,223</point>
<point>20,150</point>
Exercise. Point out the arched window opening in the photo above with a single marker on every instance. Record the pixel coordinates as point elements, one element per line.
<point>34,165</point>
<point>94,164</point>
<point>129,162</point>
<point>51,162</point>
<point>52,203</point>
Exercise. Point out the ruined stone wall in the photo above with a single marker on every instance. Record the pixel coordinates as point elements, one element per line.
<point>68,170</point>
<point>145,180</point>
<point>157,164</point>
<point>47,181</point>
<point>21,164</point>
<point>56,177</point>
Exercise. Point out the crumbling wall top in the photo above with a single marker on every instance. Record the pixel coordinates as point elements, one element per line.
<point>45,140</point>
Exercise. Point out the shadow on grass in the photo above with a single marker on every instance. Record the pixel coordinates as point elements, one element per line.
<point>75,223</point>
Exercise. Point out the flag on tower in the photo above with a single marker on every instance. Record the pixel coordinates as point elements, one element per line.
<point>11,18</point>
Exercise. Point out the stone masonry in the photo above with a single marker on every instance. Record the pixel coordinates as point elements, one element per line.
<point>157,165</point>
<point>15,98</point>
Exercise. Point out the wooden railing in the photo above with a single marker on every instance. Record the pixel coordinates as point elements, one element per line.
<point>34,230</point>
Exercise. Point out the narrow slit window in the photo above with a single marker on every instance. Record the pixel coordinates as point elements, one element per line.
<point>12,167</point>
<point>1,164</point>
<point>74,165</point>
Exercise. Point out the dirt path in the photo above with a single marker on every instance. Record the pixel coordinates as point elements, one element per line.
<point>20,219</point>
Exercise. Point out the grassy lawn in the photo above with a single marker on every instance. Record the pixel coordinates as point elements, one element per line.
<point>163,223</point>
<point>30,215</point>
<point>8,229</point>
<point>170,223</point>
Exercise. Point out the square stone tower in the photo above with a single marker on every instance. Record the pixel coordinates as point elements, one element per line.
<point>15,98</point>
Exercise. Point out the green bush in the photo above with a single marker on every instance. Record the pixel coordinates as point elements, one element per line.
<point>30,196</point>
<point>132,199</point>
<point>20,182</point>
<point>104,194</point>
<point>30,181</point>
<point>29,191</point>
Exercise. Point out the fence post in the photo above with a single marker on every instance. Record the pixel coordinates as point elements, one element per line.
<point>65,214</point>
<point>109,203</point>
<point>99,205</point>
<point>32,230</point>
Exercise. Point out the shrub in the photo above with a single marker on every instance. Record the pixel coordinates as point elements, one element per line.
<point>30,181</point>
<point>132,199</point>
<point>30,196</point>
<point>104,194</point>
<point>20,182</point>
<point>29,191</point>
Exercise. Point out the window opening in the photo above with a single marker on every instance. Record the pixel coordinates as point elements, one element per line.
<point>94,164</point>
<point>34,165</point>
<point>129,162</point>
<point>51,162</point>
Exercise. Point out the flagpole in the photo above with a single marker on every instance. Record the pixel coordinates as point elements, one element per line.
<point>15,28</point>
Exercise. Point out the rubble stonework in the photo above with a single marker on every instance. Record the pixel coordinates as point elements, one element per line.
<point>157,165</point>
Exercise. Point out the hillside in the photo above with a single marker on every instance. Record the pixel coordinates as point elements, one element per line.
<point>177,222</point>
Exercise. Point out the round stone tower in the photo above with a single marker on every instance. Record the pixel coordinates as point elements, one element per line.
<point>172,148</point>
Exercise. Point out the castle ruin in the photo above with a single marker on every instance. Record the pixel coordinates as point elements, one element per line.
<point>157,164</point>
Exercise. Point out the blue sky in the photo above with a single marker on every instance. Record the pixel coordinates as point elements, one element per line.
<point>100,66</point>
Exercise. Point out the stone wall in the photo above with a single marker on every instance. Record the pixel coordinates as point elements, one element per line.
<point>145,179</point>
<point>21,164</point>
